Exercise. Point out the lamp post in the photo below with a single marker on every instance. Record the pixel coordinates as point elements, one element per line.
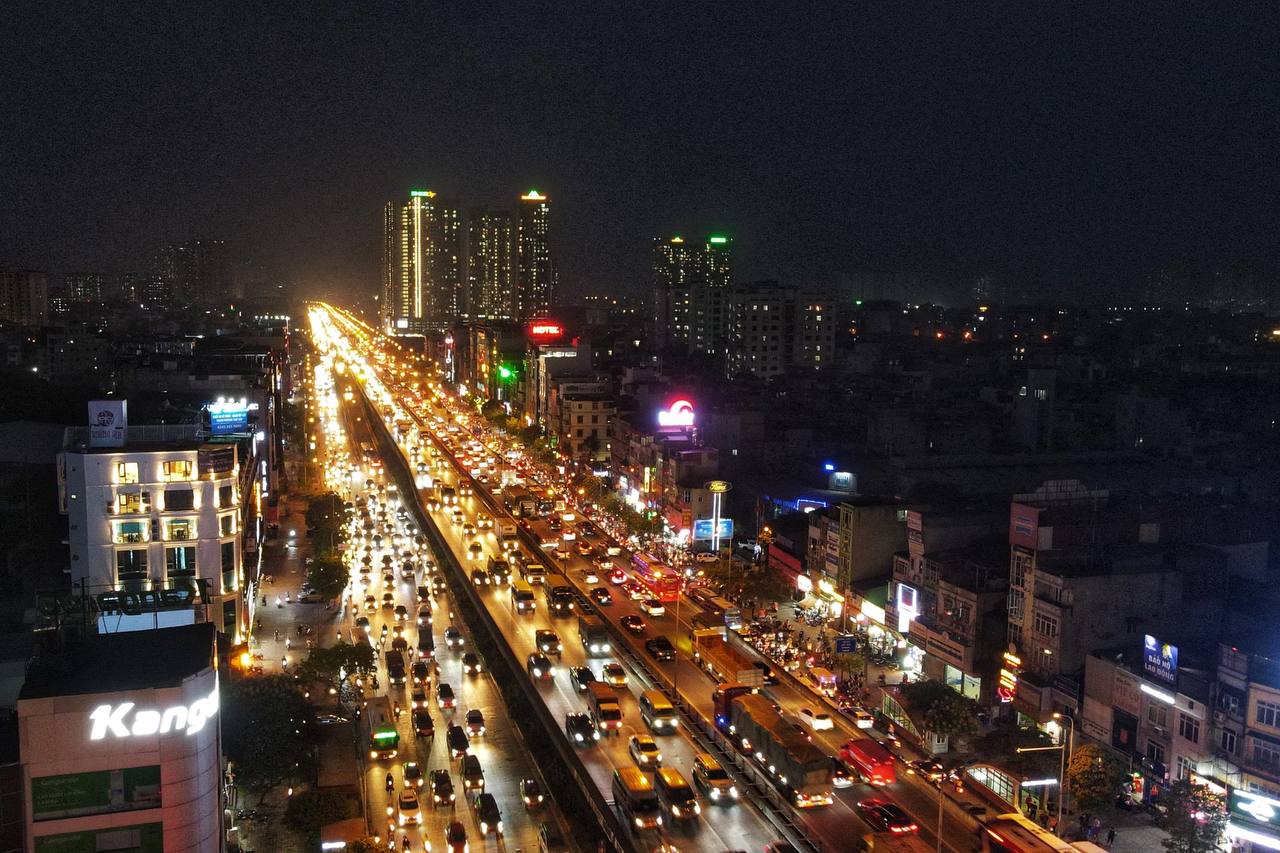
<point>1066,759</point>
<point>1062,751</point>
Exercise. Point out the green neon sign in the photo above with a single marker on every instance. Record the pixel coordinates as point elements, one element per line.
<point>421,193</point>
<point>718,239</point>
<point>505,372</point>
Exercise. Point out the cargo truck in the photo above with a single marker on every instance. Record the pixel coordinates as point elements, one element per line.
<point>720,655</point>
<point>594,635</point>
<point>395,667</point>
<point>507,533</point>
<point>798,769</point>
<point>606,713</point>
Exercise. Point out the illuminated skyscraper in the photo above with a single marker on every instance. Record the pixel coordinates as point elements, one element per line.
<point>690,283</point>
<point>422,258</point>
<point>490,291</point>
<point>536,278</point>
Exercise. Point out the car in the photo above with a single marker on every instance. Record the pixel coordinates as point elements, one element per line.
<point>475,551</point>
<point>634,624</point>
<point>410,811</point>
<point>706,557</point>
<point>713,780</point>
<point>555,523</point>
<point>841,777</point>
<point>471,664</point>
<point>479,577</point>
<point>456,739</point>
<point>531,793</point>
<point>469,529</point>
<point>472,774</point>
<point>413,775</point>
<point>584,548</point>
<point>388,601</point>
<point>590,575</point>
<point>548,641</point>
<point>614,675</point>
<point>928,770</point>
<point>601,596</point>
<point>635,591</point>
<point>444,695</point>
<point>362,622</point>
<point>424,594</point>
<point>421,672</point>
<point>455,838</point>
<point>653,607</point>
<point>475,723</point>
<point>423,726</point>
<point>329,719</point>
<point>488,814</point>
<point>540,667</point>
<point>580,730</point>
<point>580,677</point>
<point>884,816</point>
<point>862,718</point>
<point>617,577</point>
<point>660,648</point>
<point>453,638</point>
<point>418,699</point>
<point>399,643</point>
<point>426,642</point>
<point>438,585</point>
<point>644,751</point>
<point>370,603</point>
<point>819,721</point>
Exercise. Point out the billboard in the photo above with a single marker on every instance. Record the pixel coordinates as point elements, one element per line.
<point>108,422</point>
<point>96,792</point>
<point>1160,660</point>
<point>228,417</point>
<point>139,838</point>
<point>1024,526</point>
<point>678,414</point>
<point>702,529</point>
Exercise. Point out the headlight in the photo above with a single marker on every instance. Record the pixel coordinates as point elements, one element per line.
<point>733,792</point>
<point>577,736</point>
<point>640,823</point>
<point>499,827</point>
<point>715,793</point>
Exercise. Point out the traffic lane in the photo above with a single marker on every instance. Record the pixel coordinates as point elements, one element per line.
<point>718,830</point>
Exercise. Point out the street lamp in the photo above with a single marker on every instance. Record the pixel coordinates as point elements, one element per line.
<point>1065,763</point>
<point>1062,752</point>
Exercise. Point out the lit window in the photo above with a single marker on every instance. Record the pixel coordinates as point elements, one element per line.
<point>180,529</point>
<point>177,470</point>
<point>126,472</point>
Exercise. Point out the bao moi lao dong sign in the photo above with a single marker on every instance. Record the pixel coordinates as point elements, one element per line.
<point>1160,660</point>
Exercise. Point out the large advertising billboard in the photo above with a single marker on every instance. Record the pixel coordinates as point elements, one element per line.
<point>702,528</point>
<point>96,792</point>
<point>139,838</point>
<point>228,417</point>
<point>1160,660</point>
<point>1024,526</point>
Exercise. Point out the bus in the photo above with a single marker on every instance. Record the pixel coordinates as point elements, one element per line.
<point>722,608</point>
<point>663,583</point>
<point>542,503</point>
<point>1014,833</point>
<point>636,799</point>
<point>519,502</point>
<point>384,738</point>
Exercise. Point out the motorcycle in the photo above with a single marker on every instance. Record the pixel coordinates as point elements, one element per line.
<point>391,783</point>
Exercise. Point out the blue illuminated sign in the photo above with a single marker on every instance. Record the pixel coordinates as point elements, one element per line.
<point>702,528</point>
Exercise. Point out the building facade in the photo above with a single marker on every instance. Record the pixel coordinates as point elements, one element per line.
<point>490,268</point>
<point>24,297</point>
<point>121,747</point>
<point>773,329</point>
<point>422,264</point>
<point>536,272</point>
<point>158,511</point>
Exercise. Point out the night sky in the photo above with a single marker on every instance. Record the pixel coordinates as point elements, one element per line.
<point>1091,140</point>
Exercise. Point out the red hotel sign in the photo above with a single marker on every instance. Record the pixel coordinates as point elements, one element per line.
<point>545,330</point>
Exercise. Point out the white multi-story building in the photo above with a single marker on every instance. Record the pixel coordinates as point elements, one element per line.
<point>158,512</point>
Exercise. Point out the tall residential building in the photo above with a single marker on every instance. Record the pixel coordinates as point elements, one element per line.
<point>84,286</point>
<point>691,284</point>
<point>536,278</point>
<point>194,273</point>
<point>773,328</point>
<point>422,263</point>
<point>490,291</point>
<point>131,286</point>
<point>24,297</point>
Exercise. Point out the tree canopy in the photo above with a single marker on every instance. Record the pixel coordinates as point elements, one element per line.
<point>268,730</point>
<point>325,663</point>
<point>1196,818</point>
<point>1094,776</point>
<point>942,710</point>
<point>328,576</point>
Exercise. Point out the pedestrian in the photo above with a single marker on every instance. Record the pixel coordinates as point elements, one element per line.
<point>1111,836</point>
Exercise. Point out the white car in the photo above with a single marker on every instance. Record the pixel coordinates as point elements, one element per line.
<point>863,719</point>
<point>653,607</point>
<point>819,721</point>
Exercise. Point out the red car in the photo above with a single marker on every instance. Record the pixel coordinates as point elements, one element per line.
<point>617,577</point>
<point>635,591</point>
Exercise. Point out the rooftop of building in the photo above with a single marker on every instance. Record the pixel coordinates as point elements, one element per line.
<point>128,660</point>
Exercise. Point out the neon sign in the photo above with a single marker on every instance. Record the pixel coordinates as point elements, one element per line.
<point>545,330</point>
<point>679,414</point>
<point>116,720</point>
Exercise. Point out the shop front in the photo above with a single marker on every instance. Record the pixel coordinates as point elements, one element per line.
<point>1253,820</point>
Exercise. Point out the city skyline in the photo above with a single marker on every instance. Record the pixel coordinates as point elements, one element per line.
<point>885,147</point>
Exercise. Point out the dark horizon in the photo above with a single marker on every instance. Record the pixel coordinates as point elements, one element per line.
<point>1078,146</point>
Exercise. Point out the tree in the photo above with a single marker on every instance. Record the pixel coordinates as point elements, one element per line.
<point>1196,818</point>
<point>367,845</point>
<point>309,810</point>
<point>943,711</point>
<point>327,663</point>
<point>326,511</point>
<point>850,664</point>
<point>328,576</point>
<point>267,731</point>
<point>1094,776</point>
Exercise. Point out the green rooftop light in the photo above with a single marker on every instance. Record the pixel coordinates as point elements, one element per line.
<point>718,239</point>
<point>421,193</point>
<point>505,372</point>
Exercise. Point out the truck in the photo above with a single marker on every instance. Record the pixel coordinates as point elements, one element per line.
<point>560,600</point>
<point>519,502</point>
<point>594,635</point>
<point>797,768</point>
<point>507,533</point>
<point>870,760</point>
<point>720,655</point>
<point>395,667</point>
<point>606,713</point>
